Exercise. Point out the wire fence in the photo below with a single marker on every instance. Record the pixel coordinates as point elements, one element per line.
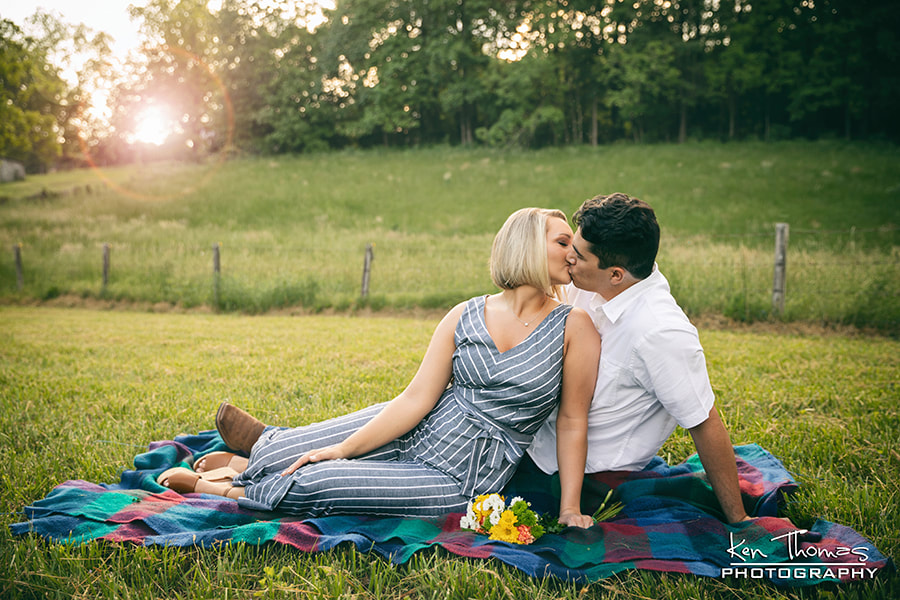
<point>833,276</point>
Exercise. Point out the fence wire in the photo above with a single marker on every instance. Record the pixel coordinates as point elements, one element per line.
<point>828,278</point>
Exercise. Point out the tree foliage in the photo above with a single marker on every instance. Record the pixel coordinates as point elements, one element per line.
<point>283,76</point>
<point>30,97</point>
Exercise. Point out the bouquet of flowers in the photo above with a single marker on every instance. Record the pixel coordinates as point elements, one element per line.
<point>514,522</point>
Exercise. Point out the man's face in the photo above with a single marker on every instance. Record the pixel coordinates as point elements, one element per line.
<point>585,270</point>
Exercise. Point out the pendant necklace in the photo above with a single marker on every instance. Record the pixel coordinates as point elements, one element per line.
<point>528,322</point>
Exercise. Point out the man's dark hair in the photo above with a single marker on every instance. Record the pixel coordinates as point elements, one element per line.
<point>621,231</point>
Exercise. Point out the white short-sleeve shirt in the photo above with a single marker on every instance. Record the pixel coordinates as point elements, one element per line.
<point>652,376</point>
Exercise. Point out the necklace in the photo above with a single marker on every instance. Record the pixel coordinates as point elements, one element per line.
<point>534,316</point>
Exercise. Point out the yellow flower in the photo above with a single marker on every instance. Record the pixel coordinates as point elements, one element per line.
<point>505,530</point>
<point>481,512</point>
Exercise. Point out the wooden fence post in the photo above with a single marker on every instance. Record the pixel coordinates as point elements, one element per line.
<point>217,270</point>
<point>367,267</point>
<point>20,277</point>
<point>778,283</point>
<point>105,265</point>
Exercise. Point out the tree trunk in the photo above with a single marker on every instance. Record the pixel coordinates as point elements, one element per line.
<point>731,110</point>
<point>682,127</point>
<point>594,125</point>
<point>578,125</point>
<point>465,126</point>
<point>847,122</point>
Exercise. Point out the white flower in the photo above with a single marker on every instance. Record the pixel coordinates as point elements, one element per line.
<point>516,499</point>
<point>495,517</point>
<point>468,523</point>
<point>494,503</point>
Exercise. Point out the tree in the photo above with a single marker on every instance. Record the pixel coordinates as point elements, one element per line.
<point>767,30</point>
<point>850,72</point>
<point>87,57</point>
<point>640,79</point>
<point>418,66</point>
<point>303,108</point>
<point>526,110</point>
<point>180,50</point>
<point>30,99</point>
<point>734,65</point>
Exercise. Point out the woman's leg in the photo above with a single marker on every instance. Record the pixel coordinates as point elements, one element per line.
<point>220,489</point>
<point>278,447</point>
<point>367,487</point>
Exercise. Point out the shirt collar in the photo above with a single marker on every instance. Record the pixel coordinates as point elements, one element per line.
<point>614,308</point>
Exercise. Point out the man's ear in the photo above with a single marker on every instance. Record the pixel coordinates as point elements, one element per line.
<point>617,275</point>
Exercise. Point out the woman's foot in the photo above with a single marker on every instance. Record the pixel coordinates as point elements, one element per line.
<point>239,429</point>
<point>217,475</point>
<point>218,460</point>
<point>185,481</point>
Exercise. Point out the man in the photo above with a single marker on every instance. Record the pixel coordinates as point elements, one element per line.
<point>652,372</point>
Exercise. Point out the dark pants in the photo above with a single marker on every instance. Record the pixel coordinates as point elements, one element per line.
<point>543,491</point>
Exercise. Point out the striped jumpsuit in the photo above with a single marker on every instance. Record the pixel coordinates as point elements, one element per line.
<point>468,444</point>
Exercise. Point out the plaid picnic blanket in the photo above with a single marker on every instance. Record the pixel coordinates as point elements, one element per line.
<point>669,523</point>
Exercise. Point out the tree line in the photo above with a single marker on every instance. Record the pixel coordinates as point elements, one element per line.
<point>284,76</point>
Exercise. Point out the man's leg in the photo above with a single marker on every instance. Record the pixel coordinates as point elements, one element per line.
<point>543,490</point>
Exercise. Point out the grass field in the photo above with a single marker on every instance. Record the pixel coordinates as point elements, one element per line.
<point>84,391</point>
<point>293,230</point>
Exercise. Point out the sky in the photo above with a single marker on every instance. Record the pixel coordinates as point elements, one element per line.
<point>110,16</point>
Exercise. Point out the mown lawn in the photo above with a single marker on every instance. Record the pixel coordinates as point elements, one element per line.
<point>83,392</point>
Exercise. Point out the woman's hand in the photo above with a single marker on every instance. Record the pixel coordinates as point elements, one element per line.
<point>575,519</point>
<point>317,455</point>
<point>407,410</point>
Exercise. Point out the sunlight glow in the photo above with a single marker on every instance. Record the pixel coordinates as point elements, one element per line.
<point>154,125</point>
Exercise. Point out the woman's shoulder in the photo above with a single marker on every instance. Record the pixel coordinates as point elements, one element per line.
<point>474,303</point>
<point>579,324</point>
<point>455,314</point>
<point>561,307</point>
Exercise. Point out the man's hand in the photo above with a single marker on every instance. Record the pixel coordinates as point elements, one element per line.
<point>318,455</point>
<point>575,519</point>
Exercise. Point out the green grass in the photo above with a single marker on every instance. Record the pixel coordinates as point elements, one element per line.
<point>293,229</point>
<point>83,392</point>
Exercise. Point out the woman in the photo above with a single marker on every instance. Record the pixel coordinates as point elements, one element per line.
<point>494,370</point>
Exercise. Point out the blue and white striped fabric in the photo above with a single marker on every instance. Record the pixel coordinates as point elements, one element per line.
<point>469,444</point>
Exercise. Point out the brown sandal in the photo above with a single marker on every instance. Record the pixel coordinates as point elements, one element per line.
<point>239,429</point>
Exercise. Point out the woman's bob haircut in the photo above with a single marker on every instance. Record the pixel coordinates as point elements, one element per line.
<point>519,253</point>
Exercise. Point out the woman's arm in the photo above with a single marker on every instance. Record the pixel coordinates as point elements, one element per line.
<point>582,357</point>
<point>406,410</point>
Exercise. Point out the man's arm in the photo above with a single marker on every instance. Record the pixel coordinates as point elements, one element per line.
<point>717,455</point>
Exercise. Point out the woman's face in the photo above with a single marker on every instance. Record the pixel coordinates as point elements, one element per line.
<point>559,240</point>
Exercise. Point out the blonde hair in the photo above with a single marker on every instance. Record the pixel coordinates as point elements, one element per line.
<point>519,252</point>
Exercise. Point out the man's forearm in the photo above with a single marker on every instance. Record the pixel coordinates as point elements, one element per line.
<point>717,455</point>
<point>571,454</point>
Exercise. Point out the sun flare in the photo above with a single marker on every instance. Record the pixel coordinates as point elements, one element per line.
<point>154,125</point>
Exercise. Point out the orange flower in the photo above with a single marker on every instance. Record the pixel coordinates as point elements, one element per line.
<point>525,536</point>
